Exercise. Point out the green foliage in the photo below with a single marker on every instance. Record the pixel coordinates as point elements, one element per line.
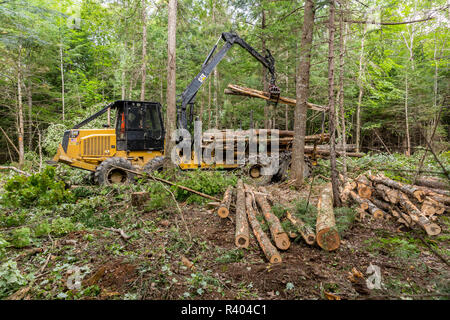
<point>231,256</point>
<point>40,189</point>
<point>21,237</point>
<point>11,278</point>
<point>344,217</point>
<point>13,218</point>
<point>62,226</point>
<point>209,182</point>
<point>3,245</point>
<point>42,229</point>
<point>279,210</point>
<point>405,248</point>
<point>306,212</point>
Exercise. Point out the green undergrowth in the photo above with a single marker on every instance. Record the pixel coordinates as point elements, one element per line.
<point>396,166</point>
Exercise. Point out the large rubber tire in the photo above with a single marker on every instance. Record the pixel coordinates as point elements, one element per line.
<point>285,166</point>
<point>107,173</point>
<point>156,164</point>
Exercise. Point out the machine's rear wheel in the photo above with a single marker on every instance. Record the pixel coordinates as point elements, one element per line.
<point>112,171</point>
<point>156,164</point>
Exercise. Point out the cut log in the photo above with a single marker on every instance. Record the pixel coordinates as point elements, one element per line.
<point>405,188</point>
<point>224,209</point>
<point>440,192</point>
<point>374,210</point>
<point>327,236</point>
<point>437,196</point>
<point>138,199</point>
<point>279,236</point>
<point>305,231</point>
<point>241,235</point>
<point>433,182</point>
<point>439,207</point>
<point>248,92</point>
<point>362,203</point>
<point>418,217</point>
<point>267,247</point>
<point>364,187</point>
<point>388,194</point>
<point>347,187</point>
<point>383,205</point>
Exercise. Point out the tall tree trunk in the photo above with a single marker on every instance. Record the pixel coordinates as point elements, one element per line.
<point>342,45</point>
<point>61,61</point>
<point>209,103</point>
<point>361,92</point>
<point>30,113</point>
<point>408,141</point>
<point>171,85</point>
<point>331,104</point>
<point>144,49</point>
<point>410,46</point>
<point>20,122</point>
<point>267,121</point>
<point>302,93</point>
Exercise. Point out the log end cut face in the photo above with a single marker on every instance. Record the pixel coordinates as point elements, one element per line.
<point>242,242</point>
<point>223,212</point>
<point>432,229</point>
<point>328,239</point>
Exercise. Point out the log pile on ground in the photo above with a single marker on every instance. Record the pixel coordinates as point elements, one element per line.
<point>411,205</point>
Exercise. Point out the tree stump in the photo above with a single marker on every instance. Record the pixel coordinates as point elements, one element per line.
<point>138,199</point>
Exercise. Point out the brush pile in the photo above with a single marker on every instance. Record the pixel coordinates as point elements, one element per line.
<point>411,205</point>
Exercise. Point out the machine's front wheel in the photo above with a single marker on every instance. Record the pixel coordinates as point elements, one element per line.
<point>156,164</point>
<point>114,171</point>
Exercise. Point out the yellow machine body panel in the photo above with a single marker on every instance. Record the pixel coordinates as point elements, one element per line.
<point>87,148</point>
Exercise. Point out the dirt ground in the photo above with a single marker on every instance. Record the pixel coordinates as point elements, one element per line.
<point>193,256</point>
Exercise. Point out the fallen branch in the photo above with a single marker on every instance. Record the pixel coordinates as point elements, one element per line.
<point>15,169</point>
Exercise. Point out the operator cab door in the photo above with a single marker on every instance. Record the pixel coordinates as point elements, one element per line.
<point>139,126</point>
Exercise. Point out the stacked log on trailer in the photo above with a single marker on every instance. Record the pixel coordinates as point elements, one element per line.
<point>412,205</point>
<point>238,143</point>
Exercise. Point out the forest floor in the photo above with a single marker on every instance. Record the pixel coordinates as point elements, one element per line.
<point>193,256</point>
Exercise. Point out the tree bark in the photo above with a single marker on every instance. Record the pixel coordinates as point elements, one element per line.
<point>61,62</point>
<point>305,231</point>
<point>433,182</point>
<point>406,188</point>
<point>342,45</point>
<point>332,118</point>
<point>144,50</point>
<point>241,235</point>
<point>418,217</point>
<point>276,230</point>
<point>224,209</point>
<point>171,85</point>
<point>267,247</point>
<point>327,236</point>
<point>361,92</point>
<point>302,94</point>
<point>20,119</point>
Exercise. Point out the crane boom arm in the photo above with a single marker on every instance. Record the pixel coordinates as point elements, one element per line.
<point>188,95</point>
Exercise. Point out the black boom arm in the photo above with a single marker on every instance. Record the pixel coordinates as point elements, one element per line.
<point>188,95</point>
